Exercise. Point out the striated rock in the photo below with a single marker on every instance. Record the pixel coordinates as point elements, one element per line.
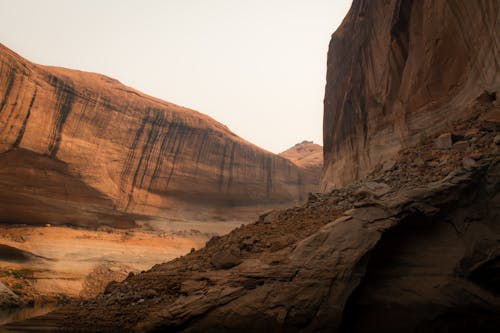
<point>82,148</point>
<point>400,71</point>
<point>422,257</point>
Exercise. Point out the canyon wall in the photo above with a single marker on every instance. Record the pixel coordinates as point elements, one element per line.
<point>80,147</point>
<point>400,71</point>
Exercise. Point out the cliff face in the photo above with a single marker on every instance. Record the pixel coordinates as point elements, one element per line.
<point>415,248</point>
<point>400,71</point>
<point>309,157</point>
<point>79,146</point>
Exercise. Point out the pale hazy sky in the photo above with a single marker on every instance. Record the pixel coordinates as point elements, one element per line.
<point>257,66</point>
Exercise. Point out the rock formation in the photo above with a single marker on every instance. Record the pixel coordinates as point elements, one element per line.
<point>82,148</point>
<point>410,248</point>
<point>8,299</point>
<point>308,156</point>
<point>400,71</point>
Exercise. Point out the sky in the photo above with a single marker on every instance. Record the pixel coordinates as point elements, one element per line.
<point>257,66</point>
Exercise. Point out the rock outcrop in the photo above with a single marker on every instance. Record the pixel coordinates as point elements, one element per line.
<point>8,299</point>
<point>413,247</point>
<point>309,157</point>
<point>400,71</point>
<point>82,148</point>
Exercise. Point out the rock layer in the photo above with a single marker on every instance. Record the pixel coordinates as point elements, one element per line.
<point>400,71</point>
<point>82,148</point>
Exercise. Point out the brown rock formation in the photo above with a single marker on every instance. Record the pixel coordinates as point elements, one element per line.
<point>82,148</point>
<point>308,156</point>
<point>414,248</point>
<point>400,71</point>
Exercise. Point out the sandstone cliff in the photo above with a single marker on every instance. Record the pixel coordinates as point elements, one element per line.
<point>400,71</point>
<point>309,157</point>
<point>82,148</point>
<point>414,248</point>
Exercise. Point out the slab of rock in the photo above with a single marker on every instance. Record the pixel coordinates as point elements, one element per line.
<point>444,141</point>
<point>7,298</point>
<point>225,259</point>
<point>461,145</point>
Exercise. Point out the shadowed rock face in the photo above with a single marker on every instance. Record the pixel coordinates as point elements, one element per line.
<point>91,145</point>
<point>400,71</point>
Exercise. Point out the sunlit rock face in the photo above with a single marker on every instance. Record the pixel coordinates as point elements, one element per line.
<point>400,71</point>
<point>309,157</point>
<point>80,147</point>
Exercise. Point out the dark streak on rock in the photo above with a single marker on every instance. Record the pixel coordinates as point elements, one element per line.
<point>25,122</point>
<point>200,149</point>
<point>131,156</point>
<point>65,96</point>
<point>221,177</point>
<point>231,167</point>
<point>11,74</point>
<point>269,168</point>
<point>175,146</point>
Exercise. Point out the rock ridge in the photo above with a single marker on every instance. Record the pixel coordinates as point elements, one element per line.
<point>135,154</point>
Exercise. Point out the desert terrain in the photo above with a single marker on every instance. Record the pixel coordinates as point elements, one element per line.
<point>50,264</point>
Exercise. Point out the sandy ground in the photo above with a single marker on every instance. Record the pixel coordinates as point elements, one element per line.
<point>64,256</point>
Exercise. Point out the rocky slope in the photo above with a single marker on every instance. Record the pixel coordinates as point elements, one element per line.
<point>400,71</point>
<point>308,156</point>
<point>413,247</point>
<point>82,148</point>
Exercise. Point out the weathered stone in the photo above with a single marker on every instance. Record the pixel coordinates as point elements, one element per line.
<point>444,141</point>
<point>496,139</point>
<point>400,71</point>
<point>469,163</point>
<point>225,259</point>
<point>7,298</point>
<point>461,145</point>
<point>104,153</point>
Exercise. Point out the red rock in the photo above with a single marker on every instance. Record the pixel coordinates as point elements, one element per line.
<point>400,69</point>
<point>82,148</point>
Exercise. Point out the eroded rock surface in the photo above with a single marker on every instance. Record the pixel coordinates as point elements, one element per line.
<point>400,71</point>
<point>413,247</point>
<point>81,148</point>
<point>8,299</point>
